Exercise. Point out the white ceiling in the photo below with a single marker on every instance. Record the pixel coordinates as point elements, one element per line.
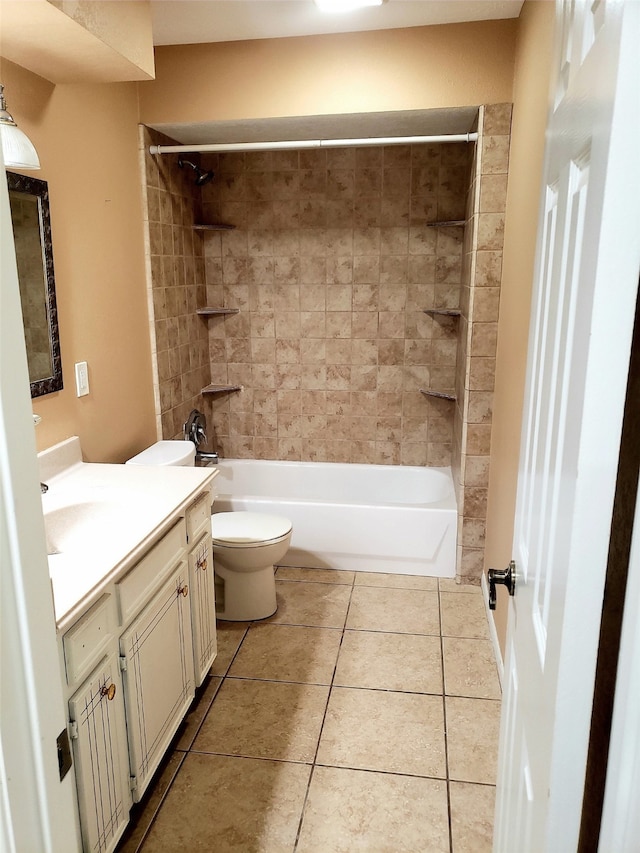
<point>201,21</point>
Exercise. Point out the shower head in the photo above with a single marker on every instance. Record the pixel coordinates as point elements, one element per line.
<point>202,177</point>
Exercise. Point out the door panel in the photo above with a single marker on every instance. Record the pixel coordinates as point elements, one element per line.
<point>158,676</point>
<point>100,754</point>
<point>574,400</point>
<point>203,607</point>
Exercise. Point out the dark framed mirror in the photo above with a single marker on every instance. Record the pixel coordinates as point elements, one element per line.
<point>29,199</point>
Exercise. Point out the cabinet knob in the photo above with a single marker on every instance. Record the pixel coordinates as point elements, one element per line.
<point>183,590</point>
<point>108,691</point>
<point>202,564</point>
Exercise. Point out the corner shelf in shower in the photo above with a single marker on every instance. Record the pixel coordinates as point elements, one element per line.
<point>442,312</point>
<point>447,223</point>
<point>220,389</point>
<point>439,394</point>
<point>215,226</point>
<point>216,312</point>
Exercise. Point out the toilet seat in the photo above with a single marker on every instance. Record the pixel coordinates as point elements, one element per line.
<point>248,529</point>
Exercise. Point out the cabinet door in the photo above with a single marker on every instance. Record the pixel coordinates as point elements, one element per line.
<point>99,740</point>
<point>203,607</point>
<point>158,675</point>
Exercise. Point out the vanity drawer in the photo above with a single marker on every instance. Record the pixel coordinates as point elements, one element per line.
<point>135,589</point>
<point>86,643</point>
<point>199,516</point>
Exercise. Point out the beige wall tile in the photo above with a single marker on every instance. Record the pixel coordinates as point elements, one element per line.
<point>474,502</point>
<point>495,154</point>
<point>490,231</point>
<point>481,374</point>
<point>476,471</point>
<point>484,337</point>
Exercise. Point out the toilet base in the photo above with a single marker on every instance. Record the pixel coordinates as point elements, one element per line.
<point>244,596</point>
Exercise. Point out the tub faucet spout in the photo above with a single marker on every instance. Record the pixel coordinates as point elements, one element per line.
<point>207,456</point>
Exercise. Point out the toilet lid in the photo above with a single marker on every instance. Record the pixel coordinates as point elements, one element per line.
<point>166,453</point>
<point>248,528</point>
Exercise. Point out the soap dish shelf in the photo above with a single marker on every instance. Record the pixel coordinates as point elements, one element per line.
<point>447,223</point>
<point>438,394</point>
<point>216,312</point>
<point>220,389</point>
<point>216,226</point>
<point>442,312</point>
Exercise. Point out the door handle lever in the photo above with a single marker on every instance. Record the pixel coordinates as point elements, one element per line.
<point>505,576</point>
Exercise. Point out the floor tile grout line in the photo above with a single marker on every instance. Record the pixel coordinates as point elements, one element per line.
<point>444,721</point>
<point>379,772</point>
<point>333,675</point>
<point>324,716</point>
<point>331,684</point>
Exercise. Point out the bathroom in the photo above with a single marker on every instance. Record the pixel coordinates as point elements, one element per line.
<point>102,278</point>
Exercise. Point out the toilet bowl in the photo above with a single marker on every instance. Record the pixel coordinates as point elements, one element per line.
<point>245,547</point>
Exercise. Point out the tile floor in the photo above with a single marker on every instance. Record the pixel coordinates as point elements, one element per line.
<point>362,716</point>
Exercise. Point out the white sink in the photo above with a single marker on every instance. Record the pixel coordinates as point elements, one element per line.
<point>83,525</point>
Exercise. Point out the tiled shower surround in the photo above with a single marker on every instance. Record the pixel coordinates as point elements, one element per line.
<point>175,286</point>
<point>475,363</point>
<point>331,264</point>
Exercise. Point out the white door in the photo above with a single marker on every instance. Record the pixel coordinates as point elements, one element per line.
<point>585,285</point>
<point>37,810</point>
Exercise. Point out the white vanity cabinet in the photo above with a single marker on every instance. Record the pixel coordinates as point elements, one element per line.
<point>132,661</point>
<point>157,663</point>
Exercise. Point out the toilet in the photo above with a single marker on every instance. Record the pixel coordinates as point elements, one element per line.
<point>246,545</point>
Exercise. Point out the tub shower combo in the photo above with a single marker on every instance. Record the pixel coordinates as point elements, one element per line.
<point>368,518</point>
<point>374,518</point>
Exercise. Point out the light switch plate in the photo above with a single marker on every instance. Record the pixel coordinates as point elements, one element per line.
<point>82,379</point>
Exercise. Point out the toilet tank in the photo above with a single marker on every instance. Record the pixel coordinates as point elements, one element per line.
<point>166,453</point>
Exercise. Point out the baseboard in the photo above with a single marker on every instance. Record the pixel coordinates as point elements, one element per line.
<point>493,634</point>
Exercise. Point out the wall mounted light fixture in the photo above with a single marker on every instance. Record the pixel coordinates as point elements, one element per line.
<point>17,148</point>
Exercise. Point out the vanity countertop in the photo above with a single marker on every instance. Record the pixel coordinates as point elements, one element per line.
<point>102,518</point>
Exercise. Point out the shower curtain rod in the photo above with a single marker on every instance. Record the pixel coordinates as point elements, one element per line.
<point>310,143</point>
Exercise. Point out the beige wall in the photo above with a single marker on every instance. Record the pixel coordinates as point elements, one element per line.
<point>407,69</point>
<point>531,84</point>
<point>86,137</point>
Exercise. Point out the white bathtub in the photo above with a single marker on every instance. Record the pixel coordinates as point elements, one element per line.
<point>376,518</point>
